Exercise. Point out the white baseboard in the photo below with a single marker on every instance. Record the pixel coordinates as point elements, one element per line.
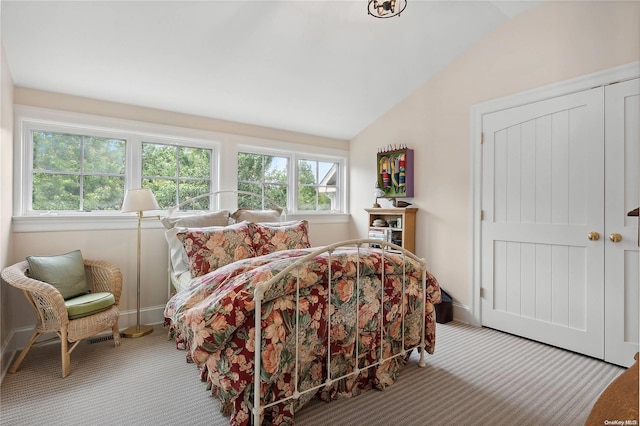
<point>18,337</point>
<point>461,313</point>
<point>7,356</point>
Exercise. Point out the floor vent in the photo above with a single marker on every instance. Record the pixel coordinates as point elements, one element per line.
<point>100,339</point>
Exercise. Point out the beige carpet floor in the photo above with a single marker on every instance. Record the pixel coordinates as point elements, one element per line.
<point>477,376</point>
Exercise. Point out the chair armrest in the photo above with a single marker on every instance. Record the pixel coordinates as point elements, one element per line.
<point>46,298</point>
<point>105,276</point>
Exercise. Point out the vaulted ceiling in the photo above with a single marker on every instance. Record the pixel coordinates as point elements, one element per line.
<point>319,67</point>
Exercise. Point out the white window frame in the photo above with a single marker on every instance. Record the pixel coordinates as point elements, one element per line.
<point>271,153</point>
<point>292,175</point>
<point>338,200</point>
<point>225,148</point>
<point>28,119</point>
<point>28,175</point>
<point>214,164</point>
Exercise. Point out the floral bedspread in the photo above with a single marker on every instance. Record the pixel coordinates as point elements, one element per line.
<point>213,321</point>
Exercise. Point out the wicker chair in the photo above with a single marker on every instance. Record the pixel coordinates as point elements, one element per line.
<point>52,313</point>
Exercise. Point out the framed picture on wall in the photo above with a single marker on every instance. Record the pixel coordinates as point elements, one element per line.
<point>395,172</point>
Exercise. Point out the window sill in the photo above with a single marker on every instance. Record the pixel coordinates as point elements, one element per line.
<point>128,221</point>
<point>79,223</point>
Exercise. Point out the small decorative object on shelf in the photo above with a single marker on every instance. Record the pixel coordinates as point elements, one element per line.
<point>394,225</point>
<point>395,171</point>
<point>380,222</point>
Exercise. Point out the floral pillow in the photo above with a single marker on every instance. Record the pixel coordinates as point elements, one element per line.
<point>210,248</point>
<point>268,238</point>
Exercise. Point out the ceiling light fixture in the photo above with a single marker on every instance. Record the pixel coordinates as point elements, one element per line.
<point>386,8</point>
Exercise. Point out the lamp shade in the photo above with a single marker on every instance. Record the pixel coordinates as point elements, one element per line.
<point>138,200</point>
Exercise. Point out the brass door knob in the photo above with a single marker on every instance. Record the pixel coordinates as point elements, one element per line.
<point>615,237</point>
<point>593,236</point>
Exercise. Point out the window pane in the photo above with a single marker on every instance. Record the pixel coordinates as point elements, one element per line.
<point>247,201</point>
<point>56,152</point>
<point>195,162</point>
<point>102,155</point>
<point>164,190</point>
<point>190,189</point>
<point>317,185</point>
<point>250,167</point>
<point>306,198</point>
<point>161,170</point>
<point>159,160</point>
<point>56,192</point>
<point>327,173</point>
<point>275,169</point>
<point>272,184</point>
<point>103,193</point>
<point>307,172</point>
<point>325,196</point>
<point>276,193</point>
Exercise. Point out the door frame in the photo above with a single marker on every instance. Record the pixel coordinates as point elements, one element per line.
<point>602,78</point>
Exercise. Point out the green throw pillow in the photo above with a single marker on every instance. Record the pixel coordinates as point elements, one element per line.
<point>65,272</point>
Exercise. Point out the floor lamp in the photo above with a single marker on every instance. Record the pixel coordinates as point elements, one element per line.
<point>138,200</point>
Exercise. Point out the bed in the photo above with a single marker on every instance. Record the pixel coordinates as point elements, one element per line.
<point>315,322</point>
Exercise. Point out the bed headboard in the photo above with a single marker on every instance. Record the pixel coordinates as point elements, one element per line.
<point>214,201</point>
<point>204,210</point>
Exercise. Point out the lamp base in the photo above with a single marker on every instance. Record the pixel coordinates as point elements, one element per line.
<point>137,331</point>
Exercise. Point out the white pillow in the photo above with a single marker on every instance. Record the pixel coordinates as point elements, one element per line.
<point>177,254</point>
<point>256,216</point>
<point>202,220</point>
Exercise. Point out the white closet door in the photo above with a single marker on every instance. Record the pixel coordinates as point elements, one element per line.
<point>542,194</point>
<point>622,259</point>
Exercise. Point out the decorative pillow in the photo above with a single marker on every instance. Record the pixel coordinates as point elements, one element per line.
<point>210,248</point>
<point>268,238</point>
<point>217,218</point>
<point>256,215</point>
<point>65,272</point>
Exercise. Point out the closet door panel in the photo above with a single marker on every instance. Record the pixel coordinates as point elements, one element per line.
<point>622,194</point>
<point>543,192</point>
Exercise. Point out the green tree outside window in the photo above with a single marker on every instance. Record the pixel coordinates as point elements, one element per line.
<point>177,173</point>
<point>264,175</point>
<point>77,172</point>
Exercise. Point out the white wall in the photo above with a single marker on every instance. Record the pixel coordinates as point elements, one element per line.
<point>6,181</point>
<point>553,42</point>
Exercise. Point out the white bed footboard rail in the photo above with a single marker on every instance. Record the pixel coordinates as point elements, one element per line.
<point>261,289</point>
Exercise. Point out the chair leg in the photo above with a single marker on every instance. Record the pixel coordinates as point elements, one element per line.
<point>66,356</point>
<point>25,350</point>
<point>116,334</point>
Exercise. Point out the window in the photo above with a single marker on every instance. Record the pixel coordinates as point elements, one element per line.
<point>77,172</point>
<point>176,173</point>
<point>317,185</point>
<point>266,175</point>
<point>71,165</point>
<point>296,181</point>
